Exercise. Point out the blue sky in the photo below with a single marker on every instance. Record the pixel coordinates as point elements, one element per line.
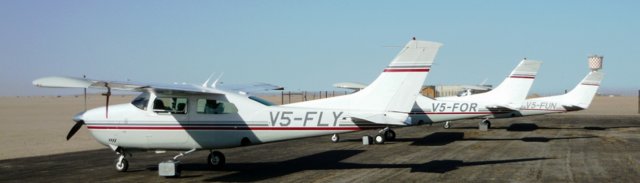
<point>309,45</point>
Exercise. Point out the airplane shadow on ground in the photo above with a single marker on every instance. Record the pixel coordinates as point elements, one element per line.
<point>331,160</point>
<point>526,127</point>
<point>444,138</point>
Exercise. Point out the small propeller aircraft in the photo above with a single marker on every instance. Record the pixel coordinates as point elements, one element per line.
<point>579,98</point>
<point>506,97</point>
<point>188,117</point>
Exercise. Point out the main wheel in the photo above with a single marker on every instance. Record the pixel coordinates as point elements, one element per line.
<point>390,135</point>
<point>446,125</point>
<point>122,166</point>
<point>216,160</point>
<point>379,139</point>
<point>335,138</point>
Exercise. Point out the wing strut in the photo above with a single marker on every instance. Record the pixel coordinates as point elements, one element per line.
<point>108,94</point>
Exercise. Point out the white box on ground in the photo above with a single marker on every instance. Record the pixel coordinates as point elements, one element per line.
<point>367,140</point>
<point>169,168</point>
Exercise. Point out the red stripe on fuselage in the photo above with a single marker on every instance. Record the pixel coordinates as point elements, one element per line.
<point>226,128</point>
<point>451,113</point>
<point>552,110</point>
<point>407,70</point>
<point>523,77</point>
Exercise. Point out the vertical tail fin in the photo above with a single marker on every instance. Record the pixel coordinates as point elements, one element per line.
<point>399,84</point>
<point>512,91</point>
<point>582,95</point>
<point>395,89</point>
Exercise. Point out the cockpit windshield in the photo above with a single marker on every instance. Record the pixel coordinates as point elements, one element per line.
<point>141,101</point>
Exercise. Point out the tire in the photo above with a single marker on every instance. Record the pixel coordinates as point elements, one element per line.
<point>216,160</point>
<point>390,135</point>
<point>379,139</point>
<point>447,125</point>
<point>122,166</point>
<point>335,138</point>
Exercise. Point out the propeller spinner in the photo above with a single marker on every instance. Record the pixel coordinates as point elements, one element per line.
<point>77,126</point>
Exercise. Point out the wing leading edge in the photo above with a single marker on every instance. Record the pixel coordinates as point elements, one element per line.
<point>73,82</point>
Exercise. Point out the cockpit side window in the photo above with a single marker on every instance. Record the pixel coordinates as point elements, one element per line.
<point>208,106</point>
<point>170,105</point>
<point>141,101</point>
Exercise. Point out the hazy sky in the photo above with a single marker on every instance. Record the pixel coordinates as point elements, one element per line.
<point>309,45</point>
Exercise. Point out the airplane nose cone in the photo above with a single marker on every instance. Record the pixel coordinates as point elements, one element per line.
<point>79,117</point>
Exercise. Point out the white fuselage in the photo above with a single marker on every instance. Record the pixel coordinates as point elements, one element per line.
<point>133,128</point>
<point>427,110</point>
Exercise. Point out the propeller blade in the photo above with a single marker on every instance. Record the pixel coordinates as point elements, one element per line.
<point>74,129</point>
<point>106,112</point>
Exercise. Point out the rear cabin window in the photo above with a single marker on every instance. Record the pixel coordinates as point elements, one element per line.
<point>170,105</point>
<point>208,106</point>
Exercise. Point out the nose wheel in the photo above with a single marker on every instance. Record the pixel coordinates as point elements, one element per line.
<point>122,164</point>
<point>446,125</point>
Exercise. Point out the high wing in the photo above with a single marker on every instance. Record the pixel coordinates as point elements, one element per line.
<point>73,82</point>
<point>246,88</point>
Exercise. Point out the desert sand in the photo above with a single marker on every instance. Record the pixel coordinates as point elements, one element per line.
<point>37,126</point>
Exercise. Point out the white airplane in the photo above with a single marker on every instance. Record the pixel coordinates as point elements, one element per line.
<point>579,98</point>
<point>193,117</point>
<point>507,96</point>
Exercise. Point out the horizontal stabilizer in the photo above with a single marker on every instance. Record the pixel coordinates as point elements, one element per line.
<point>350,85</point>
<point>389,118</point>
<point>499,109</point>
<point>572,108</point>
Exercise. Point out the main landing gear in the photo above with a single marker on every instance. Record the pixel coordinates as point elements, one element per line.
<point>216,160</point>
<point>335,138</point>
<point>386,134</point>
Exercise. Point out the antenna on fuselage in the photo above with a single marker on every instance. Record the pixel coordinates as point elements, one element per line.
<point>85,94</point>
<point>213,85</point>
<point>207,81</point>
